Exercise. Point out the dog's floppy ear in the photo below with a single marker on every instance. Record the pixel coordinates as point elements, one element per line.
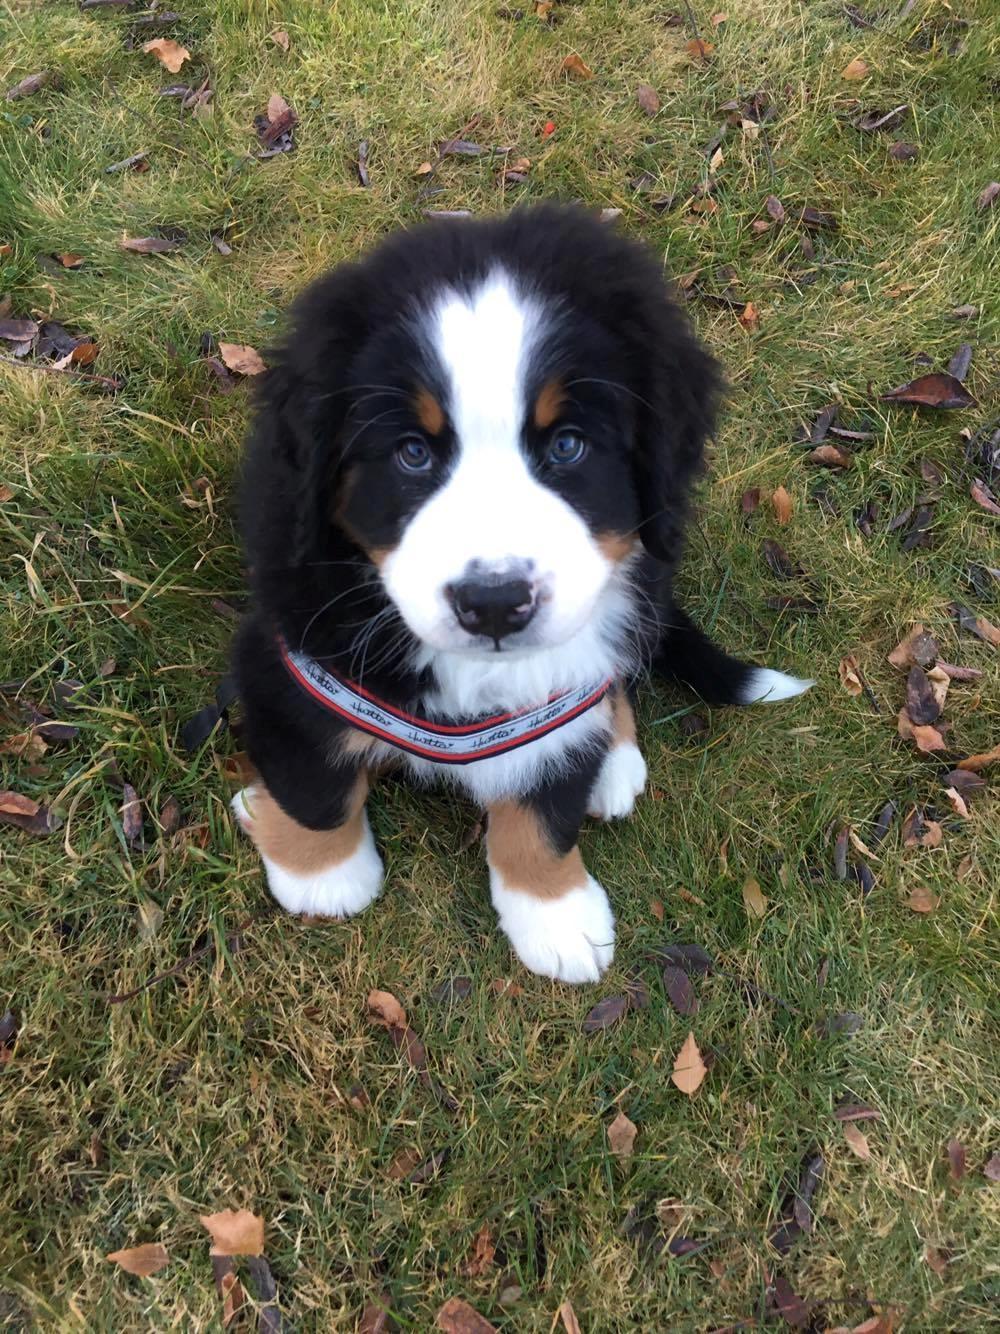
<point>680,387</point>
<point>293,459</point>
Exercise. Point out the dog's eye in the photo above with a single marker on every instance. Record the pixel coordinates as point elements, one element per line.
<point>412,454</point>
<point>567,446</point>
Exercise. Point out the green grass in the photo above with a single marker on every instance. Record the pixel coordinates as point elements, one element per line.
<point>227,1083</point>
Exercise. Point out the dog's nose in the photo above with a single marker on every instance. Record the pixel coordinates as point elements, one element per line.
<point>492,607</point>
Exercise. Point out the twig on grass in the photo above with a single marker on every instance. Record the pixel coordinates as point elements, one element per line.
<point>234,942</point>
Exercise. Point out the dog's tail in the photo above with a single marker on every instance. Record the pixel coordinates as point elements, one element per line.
<point>688,655</point>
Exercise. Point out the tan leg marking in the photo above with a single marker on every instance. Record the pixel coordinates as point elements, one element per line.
<point>518,848</point>
<point>548,404</point>
<point>307,851</point>
<point>623,719</point>
<point>616,546</point>
<point>430,413</point>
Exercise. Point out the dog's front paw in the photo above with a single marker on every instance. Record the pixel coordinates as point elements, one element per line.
<point>338,889</point>
<point>570,938</point>
<point>621,779</point>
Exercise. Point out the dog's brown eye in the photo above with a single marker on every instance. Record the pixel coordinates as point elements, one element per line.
<point>567,446</point>
<point>412,455</point>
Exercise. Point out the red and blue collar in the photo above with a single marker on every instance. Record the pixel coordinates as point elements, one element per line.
<point>443,743</point>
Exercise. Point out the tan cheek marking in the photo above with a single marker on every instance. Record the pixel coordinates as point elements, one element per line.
<point>518,848</point>
<point>624,719</point>
<point>616,546</point>
<point>430,413</point>
<point>549,404</point>
<point>300,850</point>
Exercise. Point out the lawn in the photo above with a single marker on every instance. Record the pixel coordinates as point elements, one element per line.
<point>251,1076</point>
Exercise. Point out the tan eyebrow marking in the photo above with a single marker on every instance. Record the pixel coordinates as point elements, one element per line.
<point>549,404</point>
<point>430,413</point>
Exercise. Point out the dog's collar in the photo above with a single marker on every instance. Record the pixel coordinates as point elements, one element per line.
<point>440,742</point>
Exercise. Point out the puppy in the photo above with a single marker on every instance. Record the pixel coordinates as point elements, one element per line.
<point>462,506</point>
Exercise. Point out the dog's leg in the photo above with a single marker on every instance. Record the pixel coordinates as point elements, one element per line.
<point>330,872</point>
<point>556,916</point>
<point>622,775</point>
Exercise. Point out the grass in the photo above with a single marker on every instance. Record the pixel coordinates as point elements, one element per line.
<point>229,1082</point>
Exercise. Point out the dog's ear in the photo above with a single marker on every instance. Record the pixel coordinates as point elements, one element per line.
<point>679,386</point>
<point>293,460</point>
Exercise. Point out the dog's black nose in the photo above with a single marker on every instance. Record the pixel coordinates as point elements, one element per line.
<point>492,607</point>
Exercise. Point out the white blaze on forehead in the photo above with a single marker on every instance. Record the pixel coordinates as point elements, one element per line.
<point>484,342</point>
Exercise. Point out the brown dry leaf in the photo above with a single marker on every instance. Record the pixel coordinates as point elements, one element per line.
<point>386,1010</point>
<point>480,1259</point>
<point>781,503</point>
<point>648,98</point>
<point>169,53</point>
<point>424,169</point>
<point>277,108</point>
<point>233,1298</point>
<point>689,1069</point>
<point>29,85</point>
<point>26,745</point>
<point>458,1317</point>
<point>5,493</point>
<point>280,38</point>
<point>922,900</point>
<point>921,833</point>
<point>70,261</point>
<point>857,69</point>
<point>235,1232</point>
<point>568,1317</point>
<point>84,354</point>
<point>242,358</point>
<point>986,199</point>
<point>621,1136</point>
<point>688,897</point>
<point>698,49</point>
<point>131,813</point>
<point>605,1013</point>
<point>142,1260</point>
<point>958,804</point>
<point>927,739</point>
<point>656,908</point>
<point>984,497</point>
<point>716,19</point>
<point>15,804</point>
<point>575,65</point>
<point>991,1171</point>
<point>956,1159</point>
<point>973,763</point>
<point>856,1141</point>
<point>937,1260</point>
<point>849,673</point>
<point>917,649</point>
<point>403,1163</point>
<point>755,900</point>
<point>939,683</point>
<point>775,208</point>
<point>830,456</point>
<point>750,317</point>
<point>149,245</point>
<point>937,390</point>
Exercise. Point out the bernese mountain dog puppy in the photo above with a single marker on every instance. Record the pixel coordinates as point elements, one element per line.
<point>462,507</point>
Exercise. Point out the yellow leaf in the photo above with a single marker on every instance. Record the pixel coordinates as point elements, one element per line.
<point>857,69</point>
<point>689,1069</point>
<point>142,1260</point>
<point>568,1317</point>
<point>922,900</point>
<point>168,52</point>
<point>781,503</point>
<point>716,161</point>
<point>621,1136</point>
<point>973,763</point>
<point>849,673</point>
<point>575,65</point>
<point>856,1141</point>
<point>698,49</point>
<point>280,38</point>
<point>716,19</point>
<point>242,358</point>
<point>424,169</point>
<point>750,317</point>
<point>755,901</point>
<point>235,1232</point>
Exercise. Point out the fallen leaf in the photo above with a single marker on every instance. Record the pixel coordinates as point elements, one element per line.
<point>775,208</point>
<point>679,988</point>
<point>857,1111</point>
<point>973,763</point>
<point>991,1170</point>
<point>648,99</point>
<point>956,1159</point>
<point>936,1259</point>
<point>452,989</point>
<point>568,1317</point>
<point>937,390</point>
<point>242,358</point>
<point>29,85</point>
<point>689,1068</point>
<point>656,908</point>
<point>788,1304</point>
<point>917,648</point>
<point>927,739</point>
<point>984,497</point>
<point>150,919</point>
<point>690,958</point>
<point>481,1255</point>
<point>965,782</point>
<point>921,833</point>
<point>621,1136</point>
<point>280,38</point>
<point>871,121</point>
<point>939,683</point>
<point>849,673</point>
<point>131,812</point>
<point>458,1317</point>
<point>857,69</point>
<point>756,902</point>
<point>149,245</point>
<point>749,500</point>
<point>718,19</point>
<point>235,1232</point>
<point>429,1167</point>
<point>5,493</point>
<point>376,1316</point>
<point>976,625</point>
<point>856,1141</point>
<point>169,53</point>
<point>750,317</point>
<point>18,331</point>
<point>403,1163</point>
<point>605,1013</point>
<point>830,456</point>
<point>986,200</point>
<point>903,152</point>
<point>845,1022</point>
<point>142,1260</point>
<point>921,701</point>
<point>575,65</point>
<point>69,261</point>
<point>817,220</point>
<point>698,49</point>
<point>13,803</point>
<point>964,313</point>
<point>961,361</point>
<point>781,503</point>
<point>922,900</point>
<point>505,986</point>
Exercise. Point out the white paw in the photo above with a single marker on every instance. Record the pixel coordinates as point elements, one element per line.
<point>571,938</point>
<point>621,779</point>
<point>335,891</point>
<point>764,686</point>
